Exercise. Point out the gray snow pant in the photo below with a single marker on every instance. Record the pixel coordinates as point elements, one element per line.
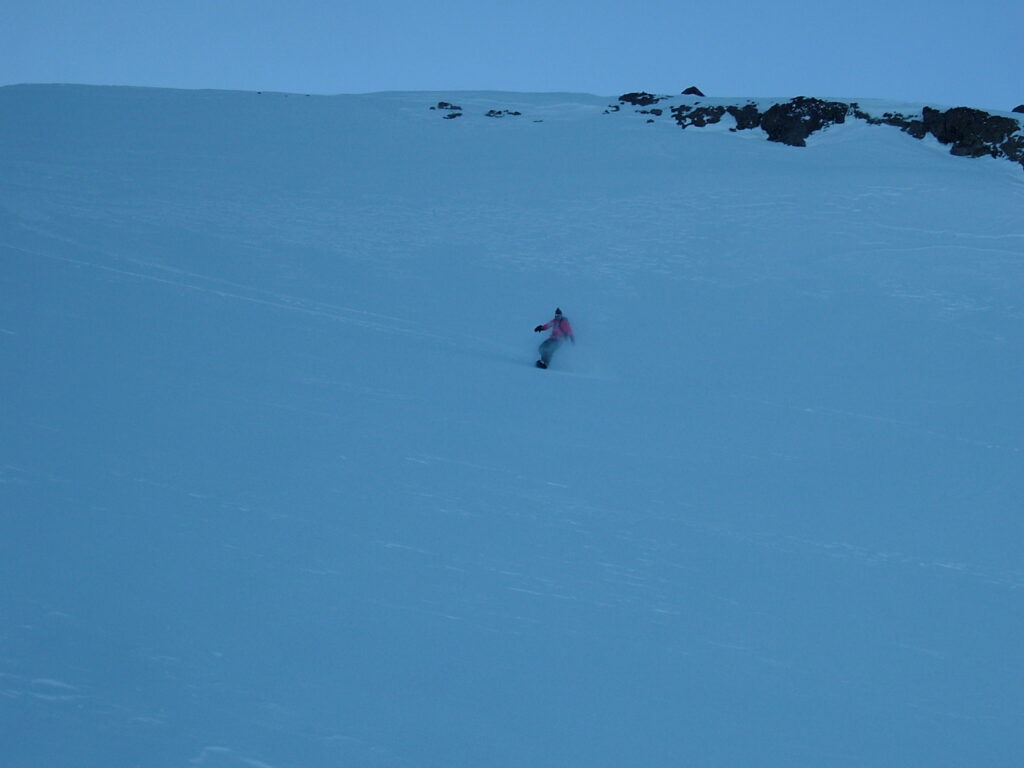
<point>548,348</point>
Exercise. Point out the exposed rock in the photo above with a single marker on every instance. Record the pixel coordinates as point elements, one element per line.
<point>974,133</point>
<point>698,117</point>
<point>693,90</point>
<point>1019,108</point>
<point>789,123</point>
<point>968,132</point>
<point>502,112</point>
<point>451,109</point>
<point>906,123</point>
<point>747,116</point>
<point>640,99</point>
<point>971,132</point>
<point>793,121</point>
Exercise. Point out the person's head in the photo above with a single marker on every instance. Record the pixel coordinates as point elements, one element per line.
<point>558,312</point>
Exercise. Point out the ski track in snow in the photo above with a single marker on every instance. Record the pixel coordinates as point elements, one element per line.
<point>906,425</point>
<point>194,282</point>
<point>222,756</point>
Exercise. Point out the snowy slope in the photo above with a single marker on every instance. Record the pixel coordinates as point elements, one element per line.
<point>279,485</point>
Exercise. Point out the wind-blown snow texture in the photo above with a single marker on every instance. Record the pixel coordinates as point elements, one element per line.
<point>281,487</point>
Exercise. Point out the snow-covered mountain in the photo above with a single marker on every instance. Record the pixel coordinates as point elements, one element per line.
<point>280,485</point>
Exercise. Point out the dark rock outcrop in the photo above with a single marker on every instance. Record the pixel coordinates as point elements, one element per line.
<point>698,117</point>
<point>973,133</point>
<point>1019,108</point>
<point>793,121</point>
<point>747,116</point>
<point>693,90</point>
<point>451,109</point>
<point>790,122</point>
<point>910,125</point>
<point>969,132</point>
<point>640,99</point>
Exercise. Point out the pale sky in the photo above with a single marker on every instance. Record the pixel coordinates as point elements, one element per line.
<point>939,52</point>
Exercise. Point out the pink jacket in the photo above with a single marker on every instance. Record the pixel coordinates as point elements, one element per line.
<point>562,329</point>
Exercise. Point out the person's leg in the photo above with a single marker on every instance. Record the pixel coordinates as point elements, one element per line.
<point>547,350</point>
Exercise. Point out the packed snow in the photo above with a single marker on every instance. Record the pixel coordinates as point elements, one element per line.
<point>281,487</point>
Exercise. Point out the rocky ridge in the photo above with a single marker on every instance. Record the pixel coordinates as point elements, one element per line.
<point>968,132</point>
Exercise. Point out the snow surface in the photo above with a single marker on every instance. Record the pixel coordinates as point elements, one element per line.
<point>280,486</point>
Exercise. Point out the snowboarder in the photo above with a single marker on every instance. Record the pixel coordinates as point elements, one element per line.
<point>561,330</point>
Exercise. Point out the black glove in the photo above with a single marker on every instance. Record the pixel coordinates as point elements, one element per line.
<point>538,329</point>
